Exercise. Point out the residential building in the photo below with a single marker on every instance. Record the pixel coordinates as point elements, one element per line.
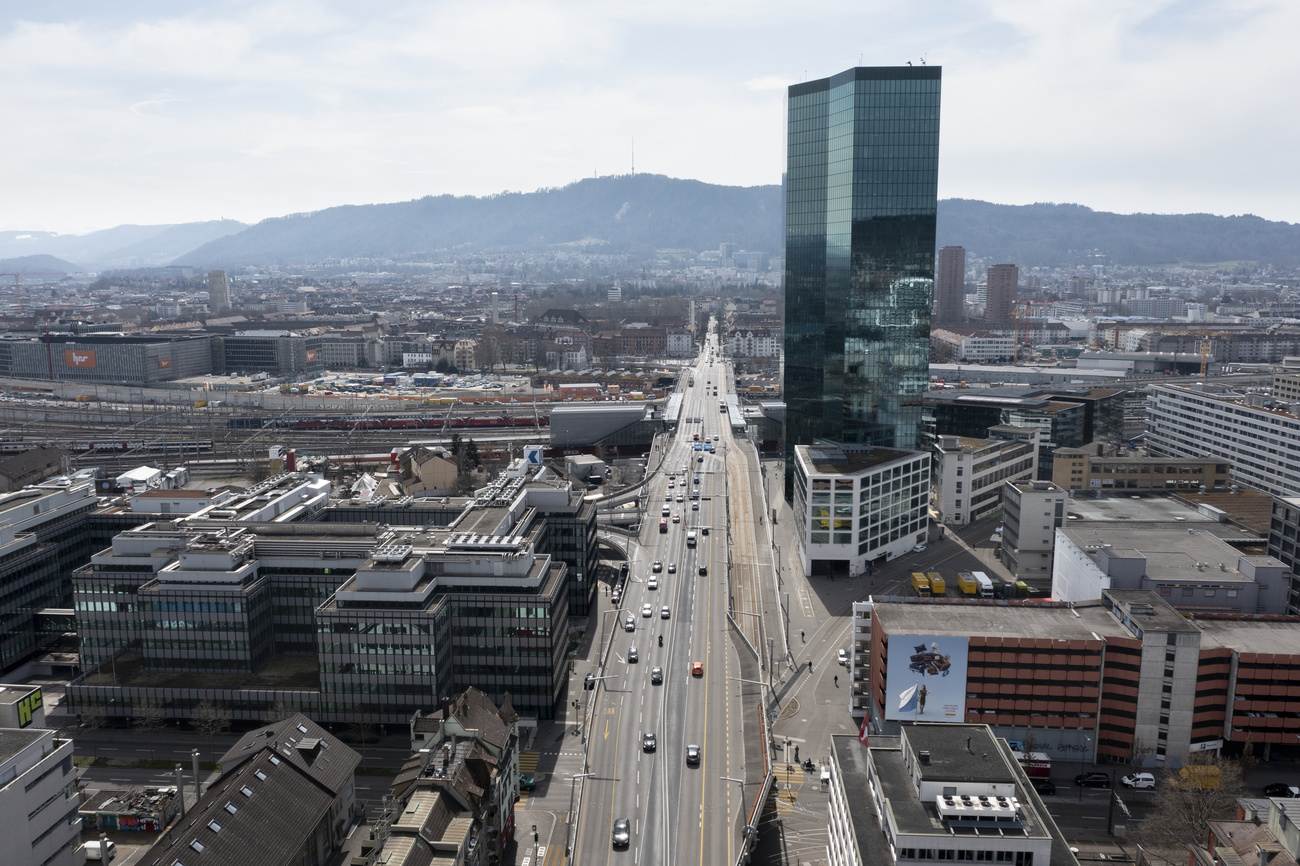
<point>1284,545</point>
<point>1259,438</point>
<point>856,505</point>
<point>936,793</point>
<point>1033,511</point>
<point>428,469</point>
<point>31,467</point>
<point>860,658</point>
<point>38,798</point>
<point>1263,830</point>
<point>971,345</point>
<point>678,343</point>
<point>754,343</point>
<point>1286,387</point>
<point>463,356</point>
<point>950,285</point>
<point>969,474</point>
<point>859,270</point>
<point>287,796</point>
<point>1003,288</point>
<point>218,293</point>
<point>1095,467</point>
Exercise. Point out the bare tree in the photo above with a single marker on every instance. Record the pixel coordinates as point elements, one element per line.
<point>1248,760</point>
<point>93,717</point>
<point>148,717</point>
<point>1206,788</point>
<point>279,711</point>
<point>210,719</point>
<point>363,732</point>
<point>1138,754</point>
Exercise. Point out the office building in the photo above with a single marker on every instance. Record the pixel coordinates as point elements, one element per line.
<point>857,505</point>
<point>218,293</point>
<point>861,198</point>
<point>278,353</point>
<point>106,359</point>
<point>1059,421</point>
<point>950,285</point>
<point>970,345</point>
<point>1003,283</point>
<point>1094,467</point>
<point>39,825</point>
<point>969,473</point>
<point>937,793</point>
<point>1284,545</point>
<point>1033,512</point>
<point>1259,437</point>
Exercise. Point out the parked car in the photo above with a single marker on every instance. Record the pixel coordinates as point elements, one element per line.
<point>1092,780</point>
<point>918,548</point>
<point>843,656</point>
<point>1044,786</point>
<point>1281,789</point>
<point>1138,780</point>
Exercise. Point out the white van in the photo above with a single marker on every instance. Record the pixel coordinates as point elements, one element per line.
<point>1138,780</point>
<point>93,851</point>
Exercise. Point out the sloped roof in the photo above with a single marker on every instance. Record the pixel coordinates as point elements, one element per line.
<point>303,743</point>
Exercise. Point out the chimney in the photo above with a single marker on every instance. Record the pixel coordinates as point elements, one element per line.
<point>198,789</point>
<point>924,756</point>
<point>180,787</point>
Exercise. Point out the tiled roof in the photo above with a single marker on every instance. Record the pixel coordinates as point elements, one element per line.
<point>303,743</point>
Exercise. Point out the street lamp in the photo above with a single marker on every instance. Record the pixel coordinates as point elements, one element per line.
<point>1086,749</point>
<point>568,830</point>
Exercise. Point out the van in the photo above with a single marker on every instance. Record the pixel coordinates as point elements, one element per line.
<point>1138,781</point>
<point>94,852</point>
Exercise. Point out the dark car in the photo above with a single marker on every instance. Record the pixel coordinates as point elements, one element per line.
<point>704,571</point>
<point>656,675</point>
<point>622,833</point>
<point>692,754</point>
<point>527,781</point>
<point>1281,789</point>
<point>1092,780</point>
<point>1044,786</point>
<point>648,741</point>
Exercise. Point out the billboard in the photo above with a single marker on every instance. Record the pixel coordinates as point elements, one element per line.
<point>164,362</point>
<point>926,678</point>
<point>79,357</point>
<point>311,355</point>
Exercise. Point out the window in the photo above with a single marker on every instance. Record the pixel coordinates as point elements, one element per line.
<point>230,807</point>
<point>246,791</point>
<point>214,826</point>
<point>197,845</point>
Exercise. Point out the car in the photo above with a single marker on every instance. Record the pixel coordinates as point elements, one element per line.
<point>664,612</point>
<point>652,583</point>
<point>715,437</point>
<point>697,669</point>
<point>1092,780</point>
<point>672,568</point>
<point>918,548</point>
<point>677,518</point>
<point>697,479</point>
<point>656,675</point>
<point>629,624</point>
<point>622,833</point>
<point>647,610</point>
<point>692,754</point>
<point>657,566</point>
<point>1138,780</point>
<point>632,655</point>
<point>527,781</point>
<point>704,571</point>
<point>671,484</point>
<point>695,506</point>
<point>1281,789</point>
<point>699,459</point>
<point>648,742</point>
<point>1044,786</point>
<point>680,498</point>
<point>843,656</point>
<point>668,497</point>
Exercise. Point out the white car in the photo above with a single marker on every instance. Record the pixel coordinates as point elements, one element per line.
<point>664,612</point>
<point>647,610</point>
<point>652,583</point>
<point>681,498</point>
<point>844,656</point>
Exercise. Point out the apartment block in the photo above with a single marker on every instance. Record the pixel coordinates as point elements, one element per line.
<point>38,798</point>
<point>1258,437</point>
<point>972,346</point>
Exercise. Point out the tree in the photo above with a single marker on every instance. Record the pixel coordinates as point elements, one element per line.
<point>364,732</point>
<point>92,718</point>
<point>471,450</point>
<point>148,717</point>
<point>455,445</point>
<point>1138,754</point>
<point>210,719</point>
<point>1206,788</point>
<point>279,711</point>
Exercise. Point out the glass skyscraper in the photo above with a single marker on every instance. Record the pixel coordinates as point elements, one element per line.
<point>861,196</point>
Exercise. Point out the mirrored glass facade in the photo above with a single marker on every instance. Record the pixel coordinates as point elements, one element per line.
<point>861,196</point>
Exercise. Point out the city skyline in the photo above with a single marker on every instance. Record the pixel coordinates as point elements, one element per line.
<point>140,114</point>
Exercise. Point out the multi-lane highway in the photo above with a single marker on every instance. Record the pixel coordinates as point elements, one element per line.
<point>680,809</point>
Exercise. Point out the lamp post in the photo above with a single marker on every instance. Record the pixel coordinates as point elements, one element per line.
<point>1083,756</point>
<point>568,830</point>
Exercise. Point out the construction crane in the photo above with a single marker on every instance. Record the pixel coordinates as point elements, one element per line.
<point>1019,311</point>
<point>18,287</point>
<point>1205,348</point>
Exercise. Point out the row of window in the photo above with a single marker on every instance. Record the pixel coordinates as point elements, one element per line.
<point>1019,858</point>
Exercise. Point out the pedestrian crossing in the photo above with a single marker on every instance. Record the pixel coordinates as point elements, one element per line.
<point>790,779</point>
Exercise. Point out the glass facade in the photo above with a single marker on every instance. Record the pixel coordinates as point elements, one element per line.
<point>861,198</point>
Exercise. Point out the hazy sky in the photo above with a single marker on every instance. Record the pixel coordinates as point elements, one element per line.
<point>155,112</point>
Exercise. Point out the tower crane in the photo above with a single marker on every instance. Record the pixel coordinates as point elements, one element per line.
<point>18,288</point>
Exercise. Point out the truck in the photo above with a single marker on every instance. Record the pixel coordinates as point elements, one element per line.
<point>938,586</point>
<point>690,538</point>
<point>969,585</point>
<point>1204,776</point>
<point>97,850</point>
<point>921,584</point>
<point>1037,765</point>
<point>985,584</point>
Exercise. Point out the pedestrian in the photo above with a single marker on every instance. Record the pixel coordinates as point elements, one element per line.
<point>801,637</point>
<point>837,681</point>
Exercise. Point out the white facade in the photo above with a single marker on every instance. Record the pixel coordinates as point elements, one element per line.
<point>859,505</point>
<point>969,473</point>
<point>976,347</point>
<point>416,359</point>
<point>754,343</point>
<point>679,344</point>
<point>860,658</point>
<point>1033,511</point>
<point>38,800</point>
<point>1261,443</point>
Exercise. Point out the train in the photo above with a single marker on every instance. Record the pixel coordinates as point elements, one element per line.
<point>112,446</point>
<point>391,422</point>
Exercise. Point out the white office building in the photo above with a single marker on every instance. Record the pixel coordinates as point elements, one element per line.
<point>1260,437</point>
<point>858,504</point>
<point>969,472</point>
<point>39,825</point>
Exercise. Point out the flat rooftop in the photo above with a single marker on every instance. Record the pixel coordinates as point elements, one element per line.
<point>1281,635</point>
<point>14,740</point>
<point>826,460</point>
<point>854,761</point>
<point>1081,622</point>
<point>1150,611</point>
<point>952,758</point>
<point>1172,552</point>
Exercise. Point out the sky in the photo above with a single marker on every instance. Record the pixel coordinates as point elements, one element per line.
<point>162,112</point>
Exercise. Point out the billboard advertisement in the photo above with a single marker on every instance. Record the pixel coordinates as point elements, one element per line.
<point>926,678</point>
<point>27,707</point>
<point>164,362</point>
<point>79,357</point>
<point>311,355</point>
